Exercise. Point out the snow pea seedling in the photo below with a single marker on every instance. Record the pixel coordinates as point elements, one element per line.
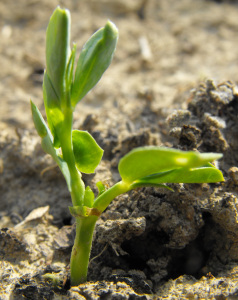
<point>76,151</point>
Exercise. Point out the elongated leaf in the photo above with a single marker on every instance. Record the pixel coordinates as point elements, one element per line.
<point>93,61</point>
<point>184,175</point>
<point>70,71</point>
<point>38,120</point>
<point>52,108</point>
<point>47,142</point>
<point>86,151</point>
<point>58,49</point>
<point>145,161</point>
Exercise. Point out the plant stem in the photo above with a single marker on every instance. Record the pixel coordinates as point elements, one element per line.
<point>81,250</point>
<point>84,226</point>
<point>77,184</point>
<point>84,234</point>
<point>102,202</point>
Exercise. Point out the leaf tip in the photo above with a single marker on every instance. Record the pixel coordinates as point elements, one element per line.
<point>38,120</point>
<point>211,156</point>
<point>63,11</point>
<point>111,29</point>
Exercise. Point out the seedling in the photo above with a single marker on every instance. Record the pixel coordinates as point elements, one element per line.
<point>77,152</point>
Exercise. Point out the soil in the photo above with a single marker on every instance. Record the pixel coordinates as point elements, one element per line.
<point>172,82</point>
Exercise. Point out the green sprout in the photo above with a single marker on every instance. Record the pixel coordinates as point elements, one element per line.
<point>76,151</point>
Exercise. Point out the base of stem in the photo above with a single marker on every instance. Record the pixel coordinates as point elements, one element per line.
<point>81,250</point>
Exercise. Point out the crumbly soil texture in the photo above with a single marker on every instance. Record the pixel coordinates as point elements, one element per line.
<point>172,82</point>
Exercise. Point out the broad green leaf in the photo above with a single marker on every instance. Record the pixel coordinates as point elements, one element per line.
<point>88,197</point>
<point>58,49</point>
<point>184,175</point>
<point>52,108</point>
<point>47,142</point>
<point>86,151</point>
<point>145,161</point>
<point>93,61</point>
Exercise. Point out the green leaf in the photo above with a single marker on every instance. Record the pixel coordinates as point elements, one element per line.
<point>184,175</point>
<point>58,49</point>
<point>70,71</point>
<point>101,188</point>
<point>145,161</point>
<point>93,61</point>
<point>87,152</point>
<point>53,111</point>
<point>88,197</point>
<point>47,142</point>
<point>38,120</point>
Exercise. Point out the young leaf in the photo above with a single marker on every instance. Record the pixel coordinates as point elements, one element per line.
<point>101,188</point>
<point>52,108</point>
<point>184,175</point>
<point>88,197</point>
<point>38,120</point>
<point>70,71</point>
<point>93,61</point>
<point>86,151</point>
<point>47,142</point>
<point>145,161</point>
<point>58,49</point>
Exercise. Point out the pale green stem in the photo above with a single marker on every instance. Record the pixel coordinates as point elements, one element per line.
<point>77,185</point>
<point>81,250</point>
<point>84,226</point>
<point>84,234</point>
<point>102,202</point>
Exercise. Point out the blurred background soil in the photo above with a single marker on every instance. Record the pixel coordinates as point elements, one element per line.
<point>155,87</point>
<point>188,41</point>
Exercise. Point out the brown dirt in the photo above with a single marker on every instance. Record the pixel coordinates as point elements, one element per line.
<point>153,244</point>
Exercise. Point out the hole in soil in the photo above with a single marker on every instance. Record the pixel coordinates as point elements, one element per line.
<point>190,260</point>
<point>195,255</point>
<point>144,247</point>
<point>67,220</point>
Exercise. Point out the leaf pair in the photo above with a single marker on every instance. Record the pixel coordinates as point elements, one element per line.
<point>62,89</point>
<point>153,166</point>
